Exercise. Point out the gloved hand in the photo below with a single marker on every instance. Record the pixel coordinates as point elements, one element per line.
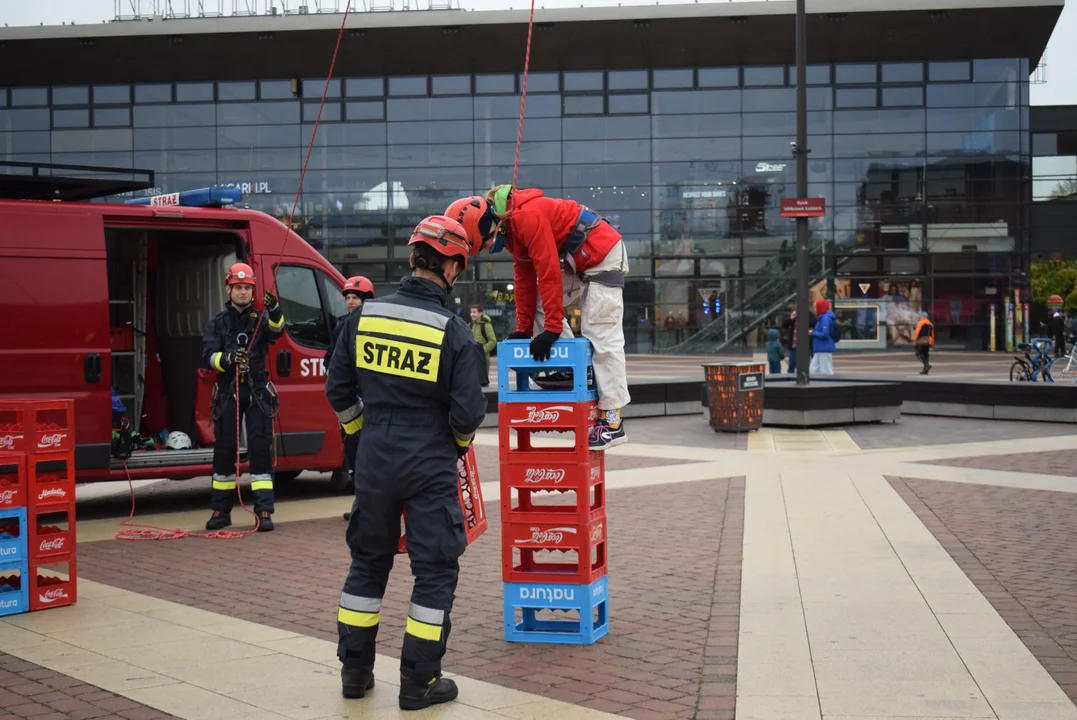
<point>540,346</point>
<point>270,301</point>
<point>461,450</point>
<point>519,335</point>
<point>239,356</point>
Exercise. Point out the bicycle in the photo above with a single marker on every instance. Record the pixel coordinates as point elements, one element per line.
<point>1065,367</point>
<point>1029,368</point>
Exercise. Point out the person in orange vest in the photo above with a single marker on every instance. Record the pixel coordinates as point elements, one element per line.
<point>561,251</point>
<point>924,337</point>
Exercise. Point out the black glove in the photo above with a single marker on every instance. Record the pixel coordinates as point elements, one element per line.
<point>270,301</point>
<point>519,335</point>
<point>461,451</point>
<point>237,357</point>
<point>540,346</point>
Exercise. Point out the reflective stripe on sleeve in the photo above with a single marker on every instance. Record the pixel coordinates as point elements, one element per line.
<point>425,623</point>
<point>463,439</point>
<point>360,603</point>
<point>349,414</point>
<point>224,482</point>
<point>261,482</point>
<point>216,362</point>
<point>277,324</point>
<point>355,618</point>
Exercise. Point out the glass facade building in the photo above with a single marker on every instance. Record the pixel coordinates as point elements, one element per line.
<point>925,168</point>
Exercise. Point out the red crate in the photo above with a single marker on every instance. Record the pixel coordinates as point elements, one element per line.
<point>51,479</point>
<point>13,426</point>
<point>12,480</point>
<point>53,582</point>
<point>554,492</point>
<point>469,493</point>
<point>539,552</point>
<point>520,420</point>
<point>52,531</point>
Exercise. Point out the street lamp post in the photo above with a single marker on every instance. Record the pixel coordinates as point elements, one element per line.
<point>800,152</point>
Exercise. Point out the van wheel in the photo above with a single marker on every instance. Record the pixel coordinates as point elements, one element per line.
<point>286,477</point>
<point>341,481</point>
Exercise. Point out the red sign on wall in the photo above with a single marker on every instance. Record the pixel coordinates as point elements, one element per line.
<point>803,207</point>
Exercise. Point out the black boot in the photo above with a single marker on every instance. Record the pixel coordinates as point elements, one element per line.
<point>219,521</point>
<point>265,522</point>
<point>355,682</point>
<point>416,694</point>
<point>347,516</point>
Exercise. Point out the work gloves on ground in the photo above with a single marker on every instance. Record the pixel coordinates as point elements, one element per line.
<point>270,301</point>
<point>541,345</point>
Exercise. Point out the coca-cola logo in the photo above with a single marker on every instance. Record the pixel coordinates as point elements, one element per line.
<point>551,536</point>
<point>594,472</point>
<point>596,533</point>
<point>7,496</point>
<point>55,492</point>
<point>537,475</point>
<point>52,595</point>
<point>7,442</point>
<point>55,544</point>
<point>53,440</point>
<point>546,414</point>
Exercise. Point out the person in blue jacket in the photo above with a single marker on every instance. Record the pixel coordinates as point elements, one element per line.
<point>824,339</point>
<point>775,352</point>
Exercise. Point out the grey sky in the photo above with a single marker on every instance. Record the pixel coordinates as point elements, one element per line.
<point>1061,56</point>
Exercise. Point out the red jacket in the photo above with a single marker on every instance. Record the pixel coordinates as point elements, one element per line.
<point>538,228</point>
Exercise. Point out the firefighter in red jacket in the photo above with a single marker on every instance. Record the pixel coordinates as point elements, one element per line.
<point>561,251</point>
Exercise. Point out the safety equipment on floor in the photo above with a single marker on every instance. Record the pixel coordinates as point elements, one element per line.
<point>239,274</point>
<point>360,286</point>
<point>178,440</point>
<point>542,344</point>
<point>446,236</point>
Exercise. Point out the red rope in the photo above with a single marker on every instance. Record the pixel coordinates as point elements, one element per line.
<point>523,103</point>
<point>141,531</point>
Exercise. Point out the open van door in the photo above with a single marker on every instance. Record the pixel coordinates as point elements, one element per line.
<point>308,432</point>
<point>54,291</point>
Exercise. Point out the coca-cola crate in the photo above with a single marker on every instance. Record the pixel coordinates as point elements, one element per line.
<point>13,426</point>
<point>518,424</point>
<point>52,531</point>
<point>554,491</point>
<point>51,479</point>
<point>13,535</point>
<point>553,552</point>
<point>469,492</point>
<point>53,582</point>
<point>14,588</point>
<point>12,480</point>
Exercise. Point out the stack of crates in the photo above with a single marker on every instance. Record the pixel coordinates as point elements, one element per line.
<point>37,505</point>
<point>552,500</point>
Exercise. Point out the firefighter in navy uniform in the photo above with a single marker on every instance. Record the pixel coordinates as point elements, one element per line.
<point>230,342</point>
<point>416,370</point>
<point>356,290</point>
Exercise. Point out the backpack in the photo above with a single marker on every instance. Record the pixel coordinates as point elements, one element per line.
<point>488,330</point>
<point>835,331</point>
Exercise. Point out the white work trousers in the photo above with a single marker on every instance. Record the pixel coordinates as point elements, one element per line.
<point>601,322</point>
<point>822,363</point>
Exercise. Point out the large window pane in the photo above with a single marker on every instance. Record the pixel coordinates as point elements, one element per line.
<point>996,70</point>
<point>541,82</point>
<point>112,117</point>
<point>583,81</point>
<point>25,142</point>
<point>903,96</point>
<point>584,104</point>
<point>448,108</point>
<point>451,84</point>
<point>407,85</point>
<point>228,91</point>
<point>594,151</point>
<point>508,106</point>
<point>434,155</point>
<point>363,111</point>
<point>174,115</point>
<point>774,75</point>
<point>696,149</point>
<point>904,144</point>
<point>855,97</point>
<point>275,90</point>
<point>456,131</point>
<point>170,161</point>
<point>161,93</point>
<point>687,102</point>
<point>264,159</point>
<point>364,87</point>
<point>602,128</point>
<point>29,97</point>
<point>719,77</point>
<point>948,71</point>
<point>264,113</point>
<point>903,72</point>
<point>627,80</point>
<point>672,78</point>
<point>70,118</point>
<point>299,300</point>
<point>675,126</point>
<point>856,74</point>
<point>260,136</point>
<point>358,157</point>
<point>314,88</point>
<point>878,121</point>
<point>194,92</point>
<point>970,119</point>
<point>26,119</point>
<point>772,100</point>
<point>71,95</point>
<point>330,112</point>
<point>973,95</point>
<point>495,84</point>
<point>536,129</point>
<point>621,175</point>
<point>366,133</point>
<point>627,104</point>
<point>531,152</point>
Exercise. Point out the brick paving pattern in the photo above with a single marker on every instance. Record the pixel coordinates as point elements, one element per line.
<point>913,430</point>
<point>30,691</point>
<point>674,600</point>
<point>1019,547</point>
<point>1054,462</point>
<point>174,496</point>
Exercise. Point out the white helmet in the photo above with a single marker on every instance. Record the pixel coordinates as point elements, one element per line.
<point>178,441</point>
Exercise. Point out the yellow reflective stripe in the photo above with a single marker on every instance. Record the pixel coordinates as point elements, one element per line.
<point>261,485</point>
<point>462,442</point>
<point>393,357</point>
<point>402,328</point>
<point>424,631</point>
<point>224,484</point>
<point>216,360</point>
<point>357,619</point>
<point>278,324</point>
<point>354,426</point>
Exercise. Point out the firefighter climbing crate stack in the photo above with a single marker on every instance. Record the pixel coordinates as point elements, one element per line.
<point>37,505</point>
<point>553,500</point>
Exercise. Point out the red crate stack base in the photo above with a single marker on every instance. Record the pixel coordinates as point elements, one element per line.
<point>543,552</point>
<point>52,531</point>
<point>51,587</point>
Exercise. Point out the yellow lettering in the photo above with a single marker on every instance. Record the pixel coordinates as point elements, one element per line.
<point>396,357</point>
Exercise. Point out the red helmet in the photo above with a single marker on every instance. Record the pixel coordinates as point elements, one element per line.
<point>474,214</point>
<point>359,285</point>
<point>447,236</point>
<point>239,274</point>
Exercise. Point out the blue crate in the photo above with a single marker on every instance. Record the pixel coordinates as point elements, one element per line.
<point>574,355</point>
<point>532,597</point>
<point>18,601</point>
<point>13,550</point>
